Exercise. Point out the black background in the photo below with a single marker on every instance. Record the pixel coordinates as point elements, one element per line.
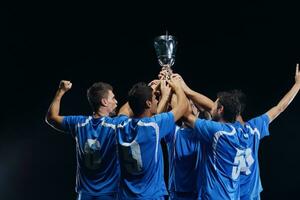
<point>250,45</point>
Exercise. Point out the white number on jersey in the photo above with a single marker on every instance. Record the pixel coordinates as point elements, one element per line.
<point>242,161</point>
<point>92,155</point>
<point>131,157</point>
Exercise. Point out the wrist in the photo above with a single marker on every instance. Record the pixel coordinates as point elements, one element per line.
<point>164,97</point>
<point>60,92</point>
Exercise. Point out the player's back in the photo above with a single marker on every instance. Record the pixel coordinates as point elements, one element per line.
<point>222,163</point>
<point>250,182</point>
<point>185,163</point>
<point>97,164</point>
<point>141,158</point>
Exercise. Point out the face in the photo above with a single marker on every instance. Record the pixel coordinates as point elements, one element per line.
<point>111,103</point>
<point>154,102</point>
<point>216,112</point>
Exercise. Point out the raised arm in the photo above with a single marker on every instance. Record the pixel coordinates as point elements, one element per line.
<point>287,99</point>
<point>162,89</point>
<point>182,103</point>
<point>165,97</point>
<point>52,117</point>
<point>198,99</point>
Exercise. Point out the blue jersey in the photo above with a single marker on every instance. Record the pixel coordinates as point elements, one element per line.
<point>98,169</point>
<point>185,164</point>
<point>250,182</point>
<point>141,156</point>
<point>225,158</point>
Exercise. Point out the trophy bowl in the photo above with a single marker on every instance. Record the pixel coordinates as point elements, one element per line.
<point>165,48</point>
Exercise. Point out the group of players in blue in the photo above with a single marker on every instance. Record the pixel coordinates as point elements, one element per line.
<point>119,155</point>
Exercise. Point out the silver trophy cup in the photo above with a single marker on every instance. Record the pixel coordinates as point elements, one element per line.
<point>165,48</point>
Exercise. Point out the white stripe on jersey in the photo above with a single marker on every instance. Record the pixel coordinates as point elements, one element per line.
<point>155,126</point>
<point>85,123</point>
<point>174,140</point>
<point>103,123</point>
<point>124,124</point>
<point>140,123</point>
<point>253,131</point>
<point>108,125</point>
<point>217,135</point>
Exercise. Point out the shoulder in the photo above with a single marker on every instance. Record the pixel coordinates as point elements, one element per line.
<point>262,119</point>
<point>117,119</point>
<point>209,123</point>
<point>163,116</point>
<point>77,118</point>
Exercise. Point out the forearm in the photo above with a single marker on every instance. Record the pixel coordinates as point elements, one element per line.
<point>182,104</point>
<point>54,109</point>
<point>200,100</point>
<point>162,105</point>
<point>284,102</point>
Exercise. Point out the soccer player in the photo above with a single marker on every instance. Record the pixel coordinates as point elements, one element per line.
<point>185,161</point>
<point>258,127</point>
<point>98,169</point>
<point>231,145</point>
<point>185,156</point>
<point>139,138</point>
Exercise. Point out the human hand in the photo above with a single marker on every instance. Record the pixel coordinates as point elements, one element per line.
<point>165,89</point>
<point>182,83</point>
<point>65,85</point>
<point>163,74</point>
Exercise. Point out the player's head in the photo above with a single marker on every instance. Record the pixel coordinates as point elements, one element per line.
<point>227,107</point>
<point>242,98</point>
<point>101,94</point>
<point>140,98</point>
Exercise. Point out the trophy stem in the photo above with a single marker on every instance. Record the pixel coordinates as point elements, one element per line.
<point>169,71</point>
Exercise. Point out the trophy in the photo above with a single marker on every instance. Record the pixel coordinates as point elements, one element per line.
<point>165,48</point>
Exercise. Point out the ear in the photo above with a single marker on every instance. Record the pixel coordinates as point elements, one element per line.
<point>221,109</point>
<point>104,102</point>
<point>148,103</point>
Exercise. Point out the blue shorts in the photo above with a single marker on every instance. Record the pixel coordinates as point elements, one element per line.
<point>184,196</point>
<point>85,196</point>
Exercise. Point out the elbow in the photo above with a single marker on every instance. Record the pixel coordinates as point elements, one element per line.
<point>49,119</point>
<point>280,108</point>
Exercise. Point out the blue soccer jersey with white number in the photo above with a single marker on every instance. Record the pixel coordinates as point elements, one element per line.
<point>225,158</point>
<point>141,158</point>
<point>185,163</point>
<point>98,169</point>
<point>250,182</point>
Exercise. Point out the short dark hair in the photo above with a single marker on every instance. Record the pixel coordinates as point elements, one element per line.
<point>242,98</point>
<point>96,92</point>
<point>231,105</point>
<point>137,97</point>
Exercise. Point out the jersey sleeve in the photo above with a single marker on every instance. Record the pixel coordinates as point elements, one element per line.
<point>69,124</point>
<point>262,124</point>
<point>119,119</point>
<point>205,129</point>
<point>165,122</point>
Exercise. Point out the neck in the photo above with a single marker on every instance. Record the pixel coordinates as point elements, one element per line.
<point>101,112</point>
<point>240,119</point>
<point>146,113</point>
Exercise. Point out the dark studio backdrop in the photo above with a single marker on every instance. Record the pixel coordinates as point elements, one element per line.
<point>249,45</point>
